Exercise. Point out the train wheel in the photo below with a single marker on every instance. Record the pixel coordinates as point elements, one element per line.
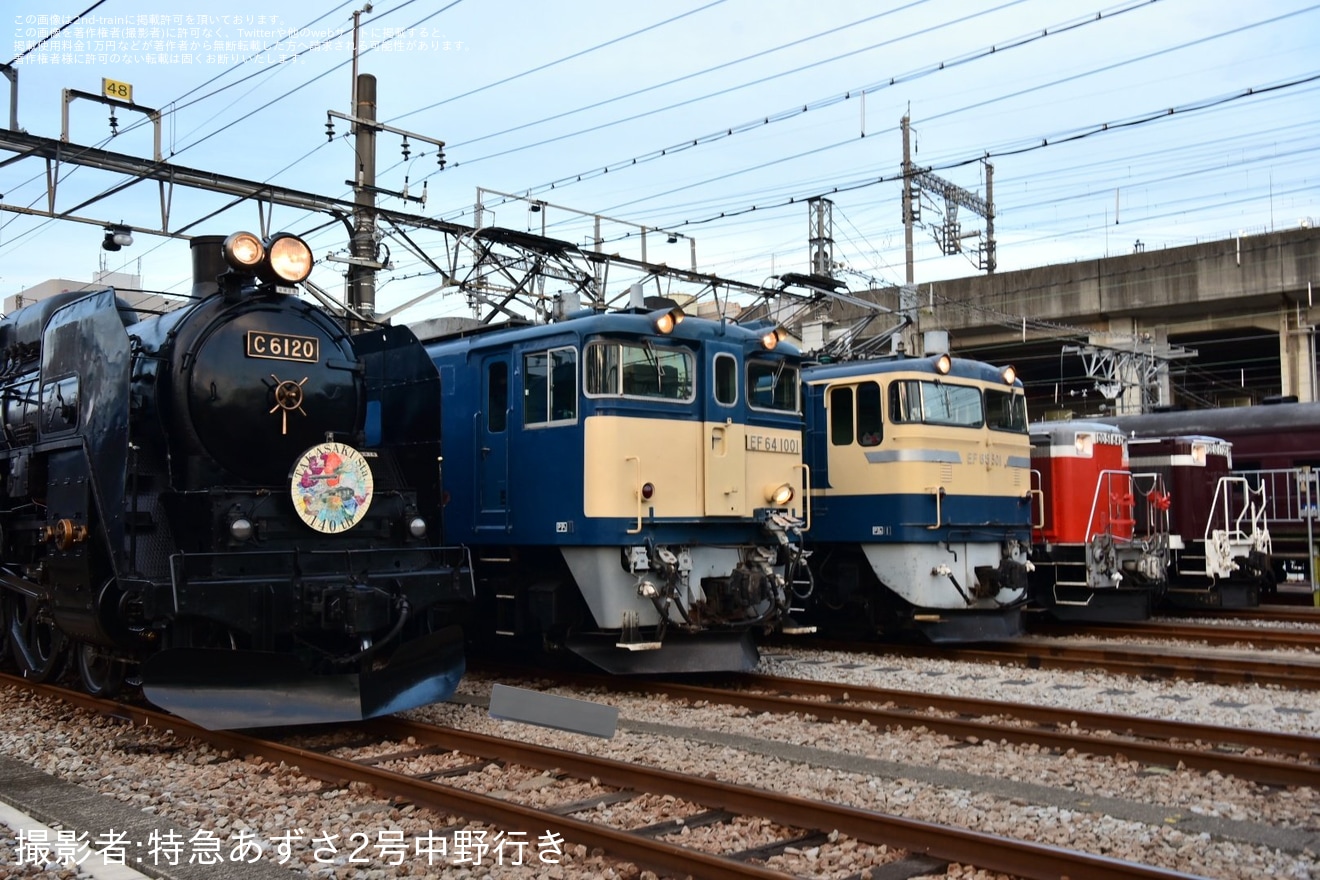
<point>102,675</point>
<point>36,643</point>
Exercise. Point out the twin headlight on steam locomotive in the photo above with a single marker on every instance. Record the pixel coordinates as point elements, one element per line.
<point>284,258</point>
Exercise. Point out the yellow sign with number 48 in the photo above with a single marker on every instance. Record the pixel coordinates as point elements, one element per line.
<point>120,91</point>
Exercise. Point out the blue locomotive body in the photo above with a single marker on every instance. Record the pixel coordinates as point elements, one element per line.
<point>629,483</point>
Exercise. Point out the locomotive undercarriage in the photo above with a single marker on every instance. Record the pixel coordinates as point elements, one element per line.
<point>241,636</point>
<point>1108,580</point>
<point>986,606</point>
<point>644,608</point>
<point>1223,575</point>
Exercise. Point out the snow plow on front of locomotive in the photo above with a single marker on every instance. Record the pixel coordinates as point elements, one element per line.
<point>219,502</point>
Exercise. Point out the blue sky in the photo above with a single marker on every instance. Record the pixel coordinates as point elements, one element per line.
<point>1072,106</point>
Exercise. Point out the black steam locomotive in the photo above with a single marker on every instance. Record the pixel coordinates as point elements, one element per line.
<point>231,504</point>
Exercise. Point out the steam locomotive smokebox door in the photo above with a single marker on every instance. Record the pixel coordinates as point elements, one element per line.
<point>84,416</point>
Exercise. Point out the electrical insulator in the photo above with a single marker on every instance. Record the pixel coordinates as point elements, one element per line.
<point>114,124</point>
<point>406,152</point>
<point>330,129</point>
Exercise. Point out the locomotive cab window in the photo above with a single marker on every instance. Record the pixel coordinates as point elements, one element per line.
<point>497,396</point>
<point>870,430</point>
<point>772,385</point>
<point>550,386</point>
<point>726,379</point>
<point>626,369</point>
<point>855,415</point>
<point>59,405</point>
<point>22,409</point>
<point>1006,411</point>
<point>841,416</point>
<point>935,403</point>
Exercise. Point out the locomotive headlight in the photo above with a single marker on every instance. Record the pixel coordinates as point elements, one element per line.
<point>240,528</point>
<point>243,250</point>
<point>773,338</point>
<point>1199,453</point>
<point>417,527</point>
<point>1085,444</point>
<point>1008,374</point>
<point>666,320</point>
<point>290,258</point>
<point>779,495</point>
<point>943,364</point>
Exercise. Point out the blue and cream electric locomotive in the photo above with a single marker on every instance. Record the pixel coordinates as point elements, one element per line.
<point>630,484</point>
<point>221,501</point>
<point>921,497</point>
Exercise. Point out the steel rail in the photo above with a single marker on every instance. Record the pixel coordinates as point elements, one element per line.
<point>845,697</point>
<point>1018,857</point>
<point>1214,634</point>
<point>1140,660</point>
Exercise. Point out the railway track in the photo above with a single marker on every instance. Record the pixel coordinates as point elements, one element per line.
<point>1276,613</point>
<point>1212,634</point>
<point>1227,666</point>
<point>799,822</point>
<point>1163,661</point>
<point>1260,756</point>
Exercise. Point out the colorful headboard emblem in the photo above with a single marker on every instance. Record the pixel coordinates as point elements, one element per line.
<point>331,487</point>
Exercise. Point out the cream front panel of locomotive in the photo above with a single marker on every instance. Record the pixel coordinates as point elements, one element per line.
<point>683,468</point>
<point>937,435</point>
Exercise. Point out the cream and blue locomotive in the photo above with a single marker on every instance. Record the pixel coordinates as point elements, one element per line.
<point>226,503</point>
<point>921,497</point>
<point>630,483</point>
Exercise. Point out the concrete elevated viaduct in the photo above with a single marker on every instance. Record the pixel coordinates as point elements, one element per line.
<point>1223,322</point>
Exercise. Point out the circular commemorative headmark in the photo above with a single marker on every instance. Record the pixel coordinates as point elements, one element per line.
<point>331,487</point>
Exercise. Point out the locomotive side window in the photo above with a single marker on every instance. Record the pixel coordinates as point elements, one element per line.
<point>550,386</point>
<point>935,403</point>
<point>22,409</point>
<point>841,416</point>
<point>1006,411</point>
<point>772,385</point>
<point>632,370</point>
<point>726,379</point>
<point>870,430</point>
<point>602,366</point>
<point>59,405</point>
<point>497,396</point>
